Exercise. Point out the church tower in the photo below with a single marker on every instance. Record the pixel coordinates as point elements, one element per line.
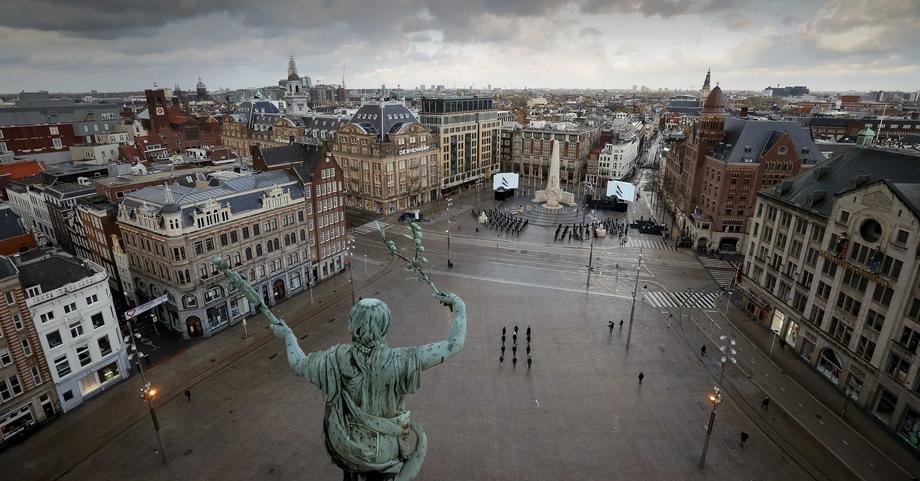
<point>201,91</point>
<point>704,92</point>
<point>712,120</point>
<point>296,94</point>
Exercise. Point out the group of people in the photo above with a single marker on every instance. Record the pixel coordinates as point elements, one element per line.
<point>504,222</point>
<point>586,230</point>
<point>514,348</point>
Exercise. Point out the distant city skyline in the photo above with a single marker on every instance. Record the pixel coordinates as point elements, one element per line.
<point>828,45</point>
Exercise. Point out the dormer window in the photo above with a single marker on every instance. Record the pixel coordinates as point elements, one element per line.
<point>34,291</point>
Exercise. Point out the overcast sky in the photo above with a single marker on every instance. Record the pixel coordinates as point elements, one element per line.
<point>78,45</point>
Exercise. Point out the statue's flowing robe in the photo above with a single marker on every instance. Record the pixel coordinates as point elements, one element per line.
<point>366,422</point>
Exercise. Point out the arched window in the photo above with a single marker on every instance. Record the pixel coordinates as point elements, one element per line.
<point>303,235</point>
<point>269,245</point>
<point>213,294</point>
<point>140,285</point>
<point>154,291</point>
<point>248,253</point>
<point>189,301</point>
<point>258,250</point>
<point>277,243</point>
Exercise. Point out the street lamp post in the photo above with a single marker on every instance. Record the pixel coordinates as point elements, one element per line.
<point>147,394</point>
<point>632,308</point>
<point>450,203</point>
<point>349,253</point>
<point>715,398</point>
<point>591,251</point>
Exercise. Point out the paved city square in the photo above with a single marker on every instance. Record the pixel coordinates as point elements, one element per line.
<point>578,413</point>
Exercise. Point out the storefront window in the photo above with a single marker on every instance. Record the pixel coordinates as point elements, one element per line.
<point>829,366</point>
<point>776,324</point>
<point>295,282</point>
<point>910,427</point>
<point>791,332</point>
<point>190,301</point>
<point>807,348</point>
<point>217,316</point>
<point>239,306</point>
<point>885,406</point>
<point>213,294</point>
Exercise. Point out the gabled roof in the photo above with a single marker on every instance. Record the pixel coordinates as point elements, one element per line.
<point>814,189</point>
<point>747,139</point>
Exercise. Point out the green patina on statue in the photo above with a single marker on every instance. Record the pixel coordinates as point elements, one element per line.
<point>365,383</point>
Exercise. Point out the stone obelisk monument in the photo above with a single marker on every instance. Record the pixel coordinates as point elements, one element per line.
<point>553,197</point>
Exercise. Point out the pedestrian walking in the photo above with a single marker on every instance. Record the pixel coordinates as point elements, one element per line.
<point>188,395</point>
<point>514,350</point>
<point>703,350</point>
<point>503,349</point>
<point>529,362</point>
<point>621,324</point>
<point>245,331</point>
<point>610,325</point>
<point>503,339</point>
<point>503,330</point>
<point>765,404</point>
<point>514,338</point>
<point>501,360</point>
<point>515,329</point>
<point>528,331</point>
<point>744,438</point>
<point>528,350</point>
<point>514,362</point>
<point>641,377</point>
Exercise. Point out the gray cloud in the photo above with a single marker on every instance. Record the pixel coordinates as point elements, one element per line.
<point>123,43</point>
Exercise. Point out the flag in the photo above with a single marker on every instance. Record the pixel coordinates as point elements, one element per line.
<point>504,182</point>
<point>619,191</point>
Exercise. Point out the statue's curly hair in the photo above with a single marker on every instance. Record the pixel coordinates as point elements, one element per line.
<point>368,322</point>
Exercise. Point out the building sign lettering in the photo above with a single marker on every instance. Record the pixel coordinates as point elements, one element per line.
<point>872,276</point>
<point>413,150</point>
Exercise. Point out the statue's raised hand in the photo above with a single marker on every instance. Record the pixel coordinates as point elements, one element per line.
<point>446,298</point>
<point>281,330</point>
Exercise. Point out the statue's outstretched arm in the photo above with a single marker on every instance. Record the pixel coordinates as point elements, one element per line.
<point>430,355</point>
<point>295,354</point>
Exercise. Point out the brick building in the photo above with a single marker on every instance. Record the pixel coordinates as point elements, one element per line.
<point>15,236</point>
<point>711,179</point>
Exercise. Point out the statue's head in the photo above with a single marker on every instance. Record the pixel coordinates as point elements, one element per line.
<point>368,322</point>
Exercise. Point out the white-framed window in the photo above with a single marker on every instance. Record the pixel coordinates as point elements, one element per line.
<point>105,347</point>
<point>83,355</point>
<point>54,130</point>
<point>76,329</point>
<point>92,300</point>
<point>17,321</point>
<point>70,308</point>
<point>62,366</point>
<point>54,339</point>
<point>5,358</point>
<point>57,143</point>
<point>9,294</point>
<point>46,316</point>
<point>97,320</point>
<point>26,348</point>
<point>33,291</point>
<point>36,376</point>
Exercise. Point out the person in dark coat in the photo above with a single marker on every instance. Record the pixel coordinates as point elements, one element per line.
<point>641,377</point>
<point>188,395</point>
<point>744,438</point>
<point>529,362</point>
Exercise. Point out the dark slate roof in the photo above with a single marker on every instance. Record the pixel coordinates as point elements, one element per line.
<point>54,271</point>
<point>7,268</point>
<point>10,224</point>
<point>289,154</point>
<point>814,189</point>
<point>909,194</point>
<point>759,135</point>
<point>382,118</point>
<point>323,122</point>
